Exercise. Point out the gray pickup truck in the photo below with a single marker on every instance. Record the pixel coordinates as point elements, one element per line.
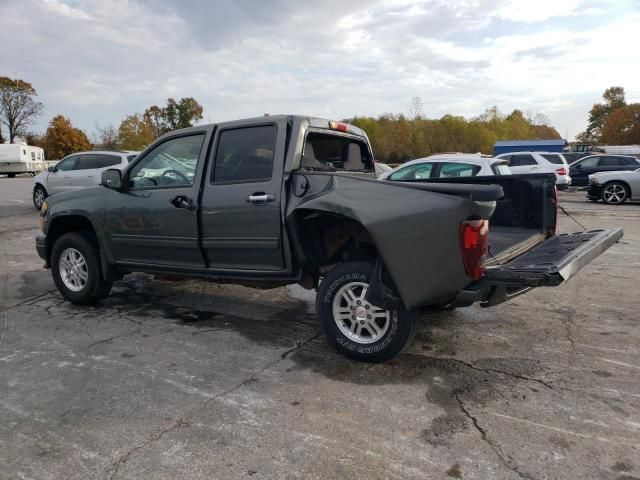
<point>279,200</point>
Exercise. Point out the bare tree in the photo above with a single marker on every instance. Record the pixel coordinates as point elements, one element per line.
<point>105,137</point>
<point>416,108</point>
<point>18,109</point>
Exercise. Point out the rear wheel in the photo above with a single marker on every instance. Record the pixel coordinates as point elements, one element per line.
<point>39,196</point>
<point>353,326</point>
<point>76,270</point>
<point>615,193</point>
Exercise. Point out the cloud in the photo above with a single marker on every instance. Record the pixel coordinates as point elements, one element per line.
<point>99,60</point>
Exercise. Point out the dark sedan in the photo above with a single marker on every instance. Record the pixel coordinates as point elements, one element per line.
<point>581,169</point>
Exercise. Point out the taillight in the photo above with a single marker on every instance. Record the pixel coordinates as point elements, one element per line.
<point>474,241</point>
<point>339,126</point>
<point>562,171</point>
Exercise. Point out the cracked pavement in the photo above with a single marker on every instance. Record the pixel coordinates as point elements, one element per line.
<point>188,379</point>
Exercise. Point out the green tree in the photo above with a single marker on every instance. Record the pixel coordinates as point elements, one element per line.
<point>614,99</point>
<point>183,113</point>
<point>18,108</point>
<point>135,133</point>
<point>62,138</point>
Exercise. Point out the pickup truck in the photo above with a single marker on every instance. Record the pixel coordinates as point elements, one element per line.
<point>278,200</point>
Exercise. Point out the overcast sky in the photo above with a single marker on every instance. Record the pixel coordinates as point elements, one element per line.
<point>97,61</point>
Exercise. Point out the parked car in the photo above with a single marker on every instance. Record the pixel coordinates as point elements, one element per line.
<point>586,166</point>
<point>614,187</point>
<point>540,162</point>
<point>277,200</point>
<point>572,157</point>
<point>76,171</point>
<point>448,165</point>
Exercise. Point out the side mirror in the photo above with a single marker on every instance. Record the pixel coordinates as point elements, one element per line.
<point>112,178</point>
<point>51,169</point>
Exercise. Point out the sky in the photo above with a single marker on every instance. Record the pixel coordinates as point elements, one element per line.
<point>97,61</point>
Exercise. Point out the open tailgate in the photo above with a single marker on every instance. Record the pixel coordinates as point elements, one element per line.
<point>548,264</point>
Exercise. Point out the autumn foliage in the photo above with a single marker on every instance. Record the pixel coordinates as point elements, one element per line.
<point>62,138</point>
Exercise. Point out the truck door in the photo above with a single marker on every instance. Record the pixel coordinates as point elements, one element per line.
<point>241,216</point>
<point>153,220</point>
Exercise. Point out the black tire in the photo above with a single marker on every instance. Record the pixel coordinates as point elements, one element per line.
<point>620,197</point>
<point>401,326</point>
<point>96,287</point>
<point>11,175</point>
<point>39,196</point>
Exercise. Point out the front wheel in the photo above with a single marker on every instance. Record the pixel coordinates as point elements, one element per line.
<point>614,193</point>
<point>75,266</point>
<point>353,326</point>
<point>39,196</point>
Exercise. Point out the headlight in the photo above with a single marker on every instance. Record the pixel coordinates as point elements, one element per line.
<point>594,181</point>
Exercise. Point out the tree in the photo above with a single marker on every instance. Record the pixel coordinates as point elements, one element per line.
<point>135,133</point>
<point>416,108</point>
<point>154,115</point>
<point>600,112</point>
<point>105,137</point>
<point>622,126</point>
<point>18,109</point>
<point>62,138</point>
<point>182,114</point>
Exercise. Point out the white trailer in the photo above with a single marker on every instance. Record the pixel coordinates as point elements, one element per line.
<point>18,158</point>
<point>621,149</point>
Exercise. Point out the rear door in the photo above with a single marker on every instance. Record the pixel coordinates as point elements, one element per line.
<point>455,169</point>
<point>241,214</point>
<point>581,170</point>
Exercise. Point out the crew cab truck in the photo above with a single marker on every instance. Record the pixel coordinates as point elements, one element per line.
<point>278,200</point>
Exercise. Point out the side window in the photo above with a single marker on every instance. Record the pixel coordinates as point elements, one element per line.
<point>33,156</point>
<point>130,158</point>
<point>589,162</point>
<point>413,172</point>
<point>67,164</point>
<point>454,169</point>
<point>245,154</point>
<point>85,162</point>
<point>610,162</point>
<point>522,161</point>
<point>104,161</point>
<point>173,163</point>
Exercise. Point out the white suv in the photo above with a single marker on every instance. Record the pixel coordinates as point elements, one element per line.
<point>448,165</point>
<point>539,162</point>
<point>76,171</point>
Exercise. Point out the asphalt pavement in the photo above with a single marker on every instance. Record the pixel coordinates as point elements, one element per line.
<point>195,380</point>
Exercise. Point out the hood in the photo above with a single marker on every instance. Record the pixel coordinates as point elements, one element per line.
<point>77,197</point>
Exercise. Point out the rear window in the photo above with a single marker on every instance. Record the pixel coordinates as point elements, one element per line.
<point>335,153</point>
<point>557,159</point>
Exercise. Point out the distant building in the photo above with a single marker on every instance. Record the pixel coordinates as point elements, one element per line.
<point>506,146</point>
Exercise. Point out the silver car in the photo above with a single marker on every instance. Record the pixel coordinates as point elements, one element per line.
<point>614,187</point>
<point>76,171</point>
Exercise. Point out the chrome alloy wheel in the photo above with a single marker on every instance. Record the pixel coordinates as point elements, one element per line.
<point>73,269</point>
<point>38,198</point>
<point>614,193</point>
<point>356,318</point>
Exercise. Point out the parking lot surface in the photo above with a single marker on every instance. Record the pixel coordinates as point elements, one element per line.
<point>188,379</point>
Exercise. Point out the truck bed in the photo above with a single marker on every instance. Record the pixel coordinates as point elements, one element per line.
<point>506,243</point>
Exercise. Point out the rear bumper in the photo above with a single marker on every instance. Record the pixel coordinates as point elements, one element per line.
<point>548,265</point>
<point>42,248</point>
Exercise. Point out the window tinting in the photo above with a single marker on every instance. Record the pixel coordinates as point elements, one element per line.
<point>413,172</point>
<point>130,158</point>
<point>245,154</point>
<point>173,163</point>
<point>610,162</point>
<point>557,159</point>
<point>104,161</point>
<point>332,152</point>
<point>589,162</point>
<point>86,162</point>
<point>521,161</point>
<point>456,169</point>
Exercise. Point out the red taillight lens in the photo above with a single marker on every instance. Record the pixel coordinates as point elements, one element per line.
<point>474,241</point>
<point>339,126</point>
<point>562,171</point>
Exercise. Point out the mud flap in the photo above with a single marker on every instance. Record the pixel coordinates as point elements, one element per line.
<point>547,265</point>
<point>381,291</point>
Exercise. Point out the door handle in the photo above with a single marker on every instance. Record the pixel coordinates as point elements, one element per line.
<point>182,201</point>
<point>260,198</point>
